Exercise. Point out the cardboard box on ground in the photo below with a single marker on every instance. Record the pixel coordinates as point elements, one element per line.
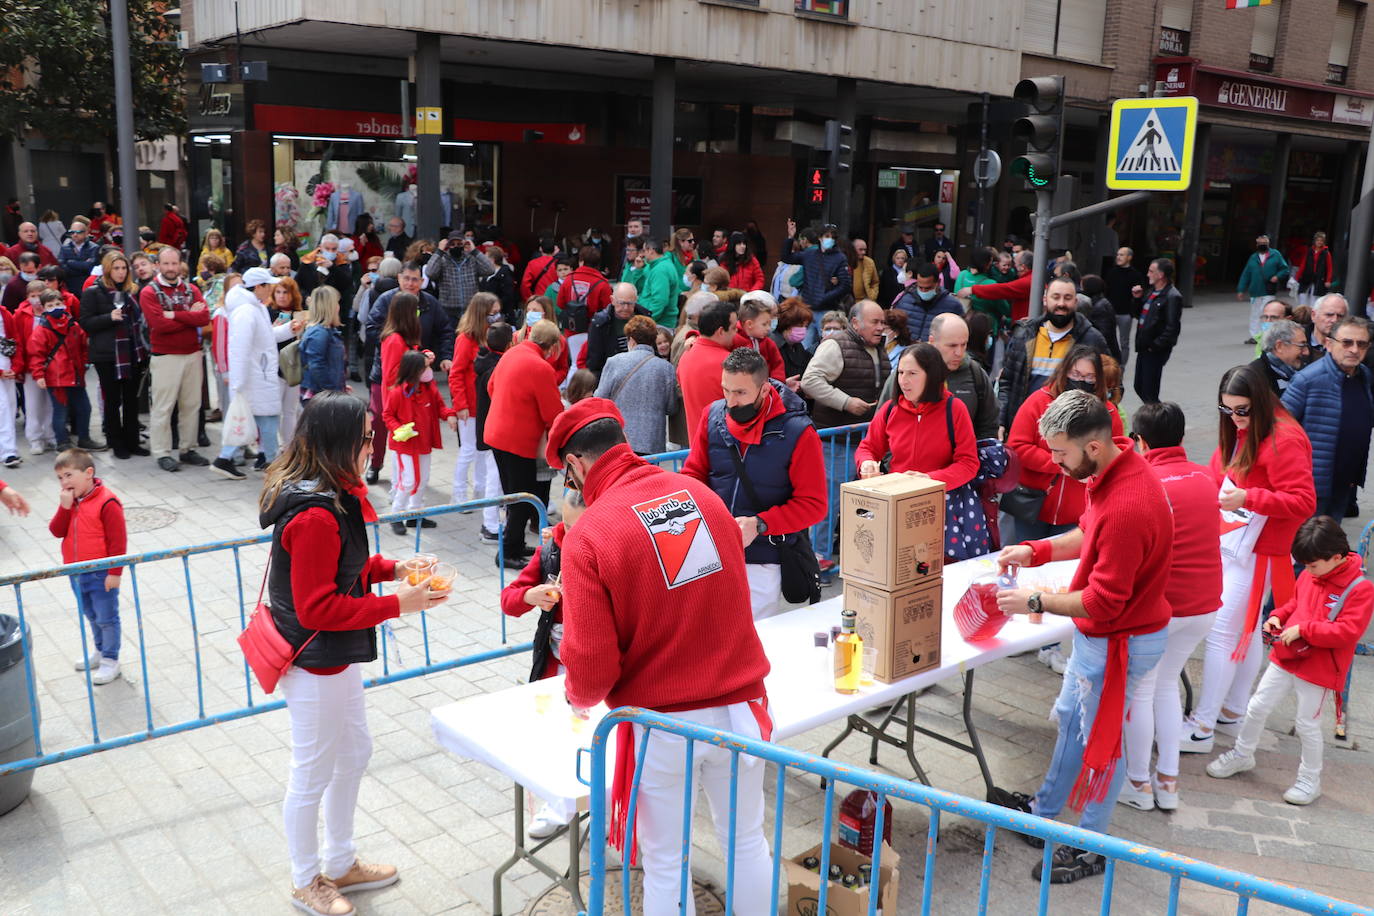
<point>804,885</point>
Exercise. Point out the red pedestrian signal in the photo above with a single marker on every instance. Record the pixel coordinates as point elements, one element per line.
<point>818,195</point>
<point>818,178</point>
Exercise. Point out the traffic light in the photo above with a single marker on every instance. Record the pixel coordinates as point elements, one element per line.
<point>1042,130</point>
<point>818,185</point>
<point>839,147</point>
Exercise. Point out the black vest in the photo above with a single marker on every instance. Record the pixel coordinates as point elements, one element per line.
<point>857,379</point>
<point>330,648</point>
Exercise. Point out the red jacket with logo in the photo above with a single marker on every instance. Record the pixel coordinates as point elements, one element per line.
<point>1325,648</point>
<point>93,528</point>
<point>1195,575</point>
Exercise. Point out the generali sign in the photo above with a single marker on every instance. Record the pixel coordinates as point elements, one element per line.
<point>1237,92</point>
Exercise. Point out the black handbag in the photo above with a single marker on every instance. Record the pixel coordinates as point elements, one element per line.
<point>1023,503</point>
<point>801,571</point>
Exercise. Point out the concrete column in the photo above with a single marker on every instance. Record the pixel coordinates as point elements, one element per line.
<point>744,129</point>
<point>428,219</point>
<point>1339,234</point>
<point>661,147</point>
<point>1187,249</point>
<point>1278,184</point>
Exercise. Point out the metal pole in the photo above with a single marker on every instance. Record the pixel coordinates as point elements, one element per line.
<point>1102,206</point>
<point>980,219</point>
<point>428,219</point>
<point>661,147</point>
<point>1187,249</point>
<point>842,184</point>
<point>1356,286</point>
<point>124,123</point>
<point>1043,202</point>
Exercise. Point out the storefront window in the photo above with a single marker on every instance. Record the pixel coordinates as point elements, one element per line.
<point>212,183</point>
<point>323,185</point>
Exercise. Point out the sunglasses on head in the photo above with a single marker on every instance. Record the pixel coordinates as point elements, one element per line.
<point>1234,411</point>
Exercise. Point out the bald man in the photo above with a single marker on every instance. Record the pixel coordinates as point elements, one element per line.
<point>606,334</point>
<point>968,380</point>
<point>28,242</point>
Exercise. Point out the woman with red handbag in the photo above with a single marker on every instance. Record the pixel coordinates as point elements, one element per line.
<point>318,585</point>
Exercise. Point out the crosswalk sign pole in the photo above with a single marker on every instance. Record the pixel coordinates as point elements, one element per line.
<point>1044,201</point>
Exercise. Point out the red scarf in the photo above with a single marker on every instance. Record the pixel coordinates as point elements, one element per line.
<point>751,433</point>
<point>622,782</point>
<point>1103,747</point>
<point>359,489</point>
<point>1280,571</point>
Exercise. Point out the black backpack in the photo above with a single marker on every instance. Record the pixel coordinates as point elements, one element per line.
<point>576,317</point>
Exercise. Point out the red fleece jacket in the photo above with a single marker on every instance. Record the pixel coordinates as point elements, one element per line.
<point>462,375</point>
<point>393,347</point>
<point>698,374</point>
<point>589,282</point>
<point>806,472</point>
<point>1278,485</point>
<point>421,405</point>
<point>656,603</point>
<point>67,366</point>
<point>917,435</point>
<point>1015,292</point>
<point>768,350</point>
<point>541,269</point>
<point>312,541</point>
<point>1067,497</point>
<point>1128,534</point>
<point>1195,576</point>
<point>748,276</point>
<point>1330,643</point>
<point>524,400</point>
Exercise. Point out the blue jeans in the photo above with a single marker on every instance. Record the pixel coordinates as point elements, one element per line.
<point>267,438</point>
<point>101,609</point>
<point>1075,711</point>
<point>78,405</point>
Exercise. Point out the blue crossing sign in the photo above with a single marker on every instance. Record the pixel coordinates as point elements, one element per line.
<point>1151,145</point>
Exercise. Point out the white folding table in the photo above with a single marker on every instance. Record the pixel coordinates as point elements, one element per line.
<point>528,732</point>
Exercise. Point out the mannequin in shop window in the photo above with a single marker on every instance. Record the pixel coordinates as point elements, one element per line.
<point>405,209</point>
<point>344,206</point>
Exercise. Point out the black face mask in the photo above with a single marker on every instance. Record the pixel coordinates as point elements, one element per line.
<point>1261,248</point>
<point>743,413</point>
<point>1077,384</point>
<point>1060,320</point>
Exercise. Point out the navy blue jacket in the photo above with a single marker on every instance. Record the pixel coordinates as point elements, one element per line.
<point>919,313</point>
<point>1313,397</point>
<point>818,267</point>
<point>766,464</point>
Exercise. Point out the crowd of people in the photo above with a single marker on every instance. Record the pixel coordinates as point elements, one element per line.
<point>585,360</point>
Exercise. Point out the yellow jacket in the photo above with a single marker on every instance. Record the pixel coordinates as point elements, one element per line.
<point>866,280</point>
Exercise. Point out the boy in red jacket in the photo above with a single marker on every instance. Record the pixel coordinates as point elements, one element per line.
<point>90,522</point>
<point>57,361</point>
<point>412,411</point>
<point>1314,635</point>
<point>758,315</point>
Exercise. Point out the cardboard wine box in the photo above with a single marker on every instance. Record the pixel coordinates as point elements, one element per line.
<point>904,626</point>
<point>892,530</point>
<point>804,885</point>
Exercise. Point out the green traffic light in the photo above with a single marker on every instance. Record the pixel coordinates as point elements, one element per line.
<point>1034,178</point>
<point>1023,167</point>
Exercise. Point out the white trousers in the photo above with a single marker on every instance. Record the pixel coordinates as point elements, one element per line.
<point>330,747</point>
<point>467,459</point>
<point>9,405</point>
<point>1226,682</point>
<point>659,812</point>
<point>488,487</point>
<point>1273,687</point>
<point>408,481</point>
<point>290,414</point>
<point>765,589</point>
<point>37,414</point>
<point>1156,710</point>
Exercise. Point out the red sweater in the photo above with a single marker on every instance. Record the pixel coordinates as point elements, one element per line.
<point>422,406</point>
<point>20,329</point>
<point>657,603</point>
<point>92,529</point>
<point>585,281</point>
<point>462,375</point>
<point>67,367</point>
<point>1279,484</point>
<point>748,276</point>
<point>177,335</point>
<point>1128,534</point>
<point>542,269</point>
<point>1015,292</point>
<point>45,257</point>
<point>1067,497</point>
<point>1195,576</point>
<point>513,595</point>
<point>1330,643</point>
<point>917,435</point>
<point>768,350</point>
<point>698,374</point>
<point>805,471</point>
<point>524,401</point>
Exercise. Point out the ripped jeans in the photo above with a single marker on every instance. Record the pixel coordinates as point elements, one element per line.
<point>1075,711</point>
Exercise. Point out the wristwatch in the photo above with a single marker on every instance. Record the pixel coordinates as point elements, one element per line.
<point>761,526</point>
<point>1033,603</point>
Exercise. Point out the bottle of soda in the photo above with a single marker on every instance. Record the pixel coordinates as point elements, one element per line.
<point>858,817</point>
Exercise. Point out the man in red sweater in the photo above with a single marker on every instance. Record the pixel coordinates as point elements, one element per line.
<point>657,615</point>
<point>539,272</point>
<point>698,371</point>
<point>175,312</point>
<point>758,443</point>
<point>1015,292</point>
<point>28,242</point>
<point>1124,547</point>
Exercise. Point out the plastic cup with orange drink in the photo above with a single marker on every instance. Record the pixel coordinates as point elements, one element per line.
<point>417,569</point>
<point>441,577</point>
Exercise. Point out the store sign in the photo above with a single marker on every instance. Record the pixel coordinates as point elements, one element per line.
<point>1173,41</point>
<point>1230,91</point>
<point>156,155</point>
<point>334,121</point>
<point>892,178</point>
<point>633,200</point>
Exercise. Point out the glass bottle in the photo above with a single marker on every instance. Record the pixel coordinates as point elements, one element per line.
<point>849,655</point>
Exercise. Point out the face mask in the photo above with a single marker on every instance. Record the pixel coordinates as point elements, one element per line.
<point>28,277</point>
<point>372,276</point>
<point>798,334</point>
<point>1261,248</point>
<point>5,277</point>
<point>773,325</point>
<point>927,294</point>
<point>743,413</point>
<point>827,243</point>
<point>1076,384</point>
<point>832,334</point>
<point>427,376</point>
<point>58,312</point>
<point>531,319</point>
<point>329,255</point>
<point>492,319</point>
<point>1061,321</point>
<point>687,279</point>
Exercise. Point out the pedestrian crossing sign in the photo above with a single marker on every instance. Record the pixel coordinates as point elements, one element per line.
<point>1151,146</point>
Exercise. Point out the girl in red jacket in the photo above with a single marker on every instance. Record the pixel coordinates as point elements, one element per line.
<point>412,412</point>
<point>57,361</point>
<point>743,266</point>
<point>1263,465</point>
<point>1314,635</point>
<point>484,310</point>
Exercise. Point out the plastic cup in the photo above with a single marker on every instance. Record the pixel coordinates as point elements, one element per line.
<point>542,701</point>
<point>555,582</point>
<point>870,665</point>
<point>441,577</point>
<point>417,569</point>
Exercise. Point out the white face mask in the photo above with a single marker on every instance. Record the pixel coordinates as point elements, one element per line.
<point>687,279</point>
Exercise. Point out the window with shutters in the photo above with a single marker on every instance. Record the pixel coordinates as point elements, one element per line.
<point>1064,28</point>
<point>1342,36</point>
<point>1264,37</point>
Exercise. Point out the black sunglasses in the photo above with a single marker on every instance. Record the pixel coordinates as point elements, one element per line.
<point>1234,411</point>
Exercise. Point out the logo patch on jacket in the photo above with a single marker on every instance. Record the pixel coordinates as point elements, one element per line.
<point>680,537</point>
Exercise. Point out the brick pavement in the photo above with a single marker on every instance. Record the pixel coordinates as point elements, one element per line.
<point>190,823</point>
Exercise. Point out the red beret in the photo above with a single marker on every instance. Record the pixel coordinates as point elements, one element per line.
<point>587,410</point>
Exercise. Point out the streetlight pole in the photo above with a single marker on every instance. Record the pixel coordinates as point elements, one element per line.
<point>124,123</point>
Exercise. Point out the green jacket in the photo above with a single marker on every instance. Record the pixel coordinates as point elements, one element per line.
<point>659,294</point>
<point>1255,279</point>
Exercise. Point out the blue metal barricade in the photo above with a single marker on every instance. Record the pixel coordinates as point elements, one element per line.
<point>1178,868</point>
<point>838,444</point>
<point>254,701</point>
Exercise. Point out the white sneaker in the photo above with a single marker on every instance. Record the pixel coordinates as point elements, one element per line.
<point>546,823</point>
<point>1053,658</point>
<point>1195,742</point>
<point>1231,763</point>
<point>1164,799</point>
<point>92,662</point>
<point>108,671</point>
<point>1304,792</point>
<point>1229,726</point>
<point>36,449</point>
<point>1142,799</point>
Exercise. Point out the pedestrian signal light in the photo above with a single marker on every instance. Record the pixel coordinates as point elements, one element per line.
<point>1035,169</point>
